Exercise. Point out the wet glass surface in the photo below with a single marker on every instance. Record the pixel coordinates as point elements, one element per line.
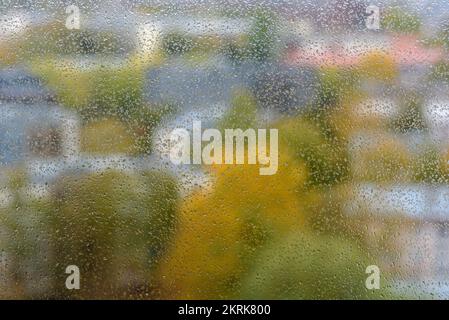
<point>224,149</point>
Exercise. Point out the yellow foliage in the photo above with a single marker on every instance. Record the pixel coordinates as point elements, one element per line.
<point>72,86</point>
<point>385,162</point>
<point>107,136</point>
<point>141,61</point>
<point>8,53</point>
<point>379,66</point>
<point>220,229</point>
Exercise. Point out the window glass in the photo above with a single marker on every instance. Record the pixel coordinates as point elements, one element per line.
<point>224,149</point>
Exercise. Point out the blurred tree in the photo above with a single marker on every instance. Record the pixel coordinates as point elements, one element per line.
<point>8,53</point>
<point>263,36</point>
<point>440,71</point>
<point>114,227</point>
<point>222,229</point>
<point>144,122</point>
<point>55,39</point>
<point>326,159</point>
<point>388,161</point>
<point>73,87</point>
<point>378,66</point>
<point>235,51</point>
<point>107,136</point>
<point>242,114</point>
<point>219,244</point>
<point>429,166</point>
<point>20,236</point>
<point>443,38</point>
<point>397,20</point>
<point>410,117</point>
<point>176,44</point>
<point>98,92</point>
<point>334,85</point>
<point>115,92</point>
<point>305,266</point>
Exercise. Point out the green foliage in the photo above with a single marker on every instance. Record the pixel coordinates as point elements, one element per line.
<point>400,21</point>
<point>260,44</point>
<point>334,85</point>
<point>99,92</point>
<point>262,36</point>
<point>386,162</point>
<point>176,44</point>
<point>410,118</point>
<point>235,52</point>
<point>326,159</point>
<point>304,266</point>
<point>441,70</point>
<point>115,92</point>
<point>106,136</point>
<point>23,239</point>
<point>430,167</point>
<point>58,40</point>
<point>144,121</point>
<point>242,114</point>
<point>443,38</point>
<point>114,227</point>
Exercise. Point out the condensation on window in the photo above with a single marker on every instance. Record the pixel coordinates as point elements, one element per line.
<point>224,149</point>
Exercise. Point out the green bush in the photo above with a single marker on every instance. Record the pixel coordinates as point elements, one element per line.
<point>326,158</point>
<point>397,20</point>
<point>176,44</point>
<point>58,40</point>
<point>305,266</point>
<point>410,118</point>
<point>429,166</point>
<point>115,92</point>
<point>242,114</point>
<point>114,227</point>
<point>263,36</point>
